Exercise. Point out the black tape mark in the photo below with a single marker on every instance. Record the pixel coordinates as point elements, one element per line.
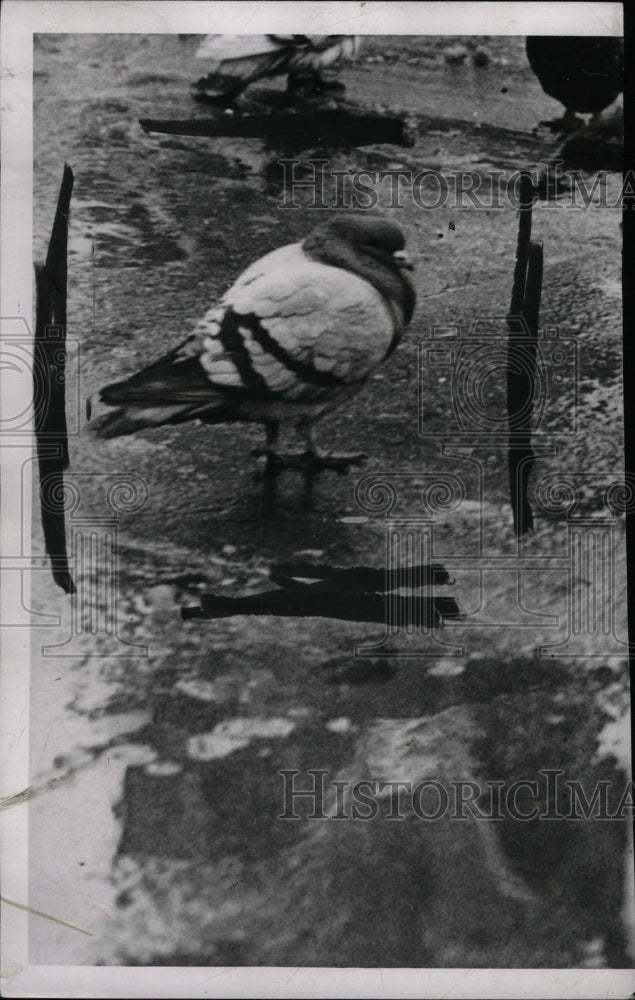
<point>359,594</point>
<point>49,390</point>
<point>522,345</point>
<point>333,128</point>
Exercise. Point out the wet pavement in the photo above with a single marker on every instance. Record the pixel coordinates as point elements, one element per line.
<point>163,838</point>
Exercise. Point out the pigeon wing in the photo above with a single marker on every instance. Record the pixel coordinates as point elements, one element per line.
<point>290,329</point>
<point>295,329</point>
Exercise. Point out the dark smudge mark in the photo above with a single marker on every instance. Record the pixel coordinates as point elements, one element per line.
<point>49,394</point>
<point>358,595</point>
<point>339,128</point>
<point>522,346</point>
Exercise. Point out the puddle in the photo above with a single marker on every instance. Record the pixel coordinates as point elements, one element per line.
<point>121,237</point>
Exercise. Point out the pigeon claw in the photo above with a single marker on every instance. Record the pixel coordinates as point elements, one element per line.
<point>310,463</point>
<point>566,125</point>
<point>337,463</point>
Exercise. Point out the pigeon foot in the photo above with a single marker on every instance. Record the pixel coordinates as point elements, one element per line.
<point>313,86</point>
<point>311,463</point>
<point>216,89</point>
<point>566,125</point>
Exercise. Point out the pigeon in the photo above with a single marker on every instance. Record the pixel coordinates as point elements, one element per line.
<point>238,60</point>
<point>301,330</point>
<point>584,73</point>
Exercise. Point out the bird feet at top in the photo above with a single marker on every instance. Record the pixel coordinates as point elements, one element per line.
<point>311,463</point>
<point>311,87</point>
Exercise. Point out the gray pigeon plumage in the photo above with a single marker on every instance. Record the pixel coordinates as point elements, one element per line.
<point>299,331</point>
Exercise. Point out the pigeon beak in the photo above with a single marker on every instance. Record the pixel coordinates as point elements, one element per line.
<point>402,260</point>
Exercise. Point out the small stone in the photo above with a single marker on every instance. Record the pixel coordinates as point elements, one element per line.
<point>481,57</point>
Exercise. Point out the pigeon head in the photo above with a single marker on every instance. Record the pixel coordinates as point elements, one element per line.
<point>371,247</point>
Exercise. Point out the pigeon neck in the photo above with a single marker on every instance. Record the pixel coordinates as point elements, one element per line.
<point>373,264</point>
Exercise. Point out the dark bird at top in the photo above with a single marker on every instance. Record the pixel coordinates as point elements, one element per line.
<point>584,73</point>
<point>301,330</point>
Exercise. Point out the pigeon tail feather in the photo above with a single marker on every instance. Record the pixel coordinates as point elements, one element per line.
<point>173,390</point>
<point>171,380</point>
<point>129,420</point>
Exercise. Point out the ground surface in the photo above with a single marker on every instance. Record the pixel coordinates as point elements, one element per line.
<point>163,838</point>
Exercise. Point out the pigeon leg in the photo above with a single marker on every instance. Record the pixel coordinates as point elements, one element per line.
<point>223,88</point>
<point>217,88</point>
<point>271,431</point>
<point>599,126</point>
<point>275,462</point>
<point>311,462</point>
<point>568,123</point>
<point>278,462</point>
<point>307,84</point>
<point>571,122</point>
